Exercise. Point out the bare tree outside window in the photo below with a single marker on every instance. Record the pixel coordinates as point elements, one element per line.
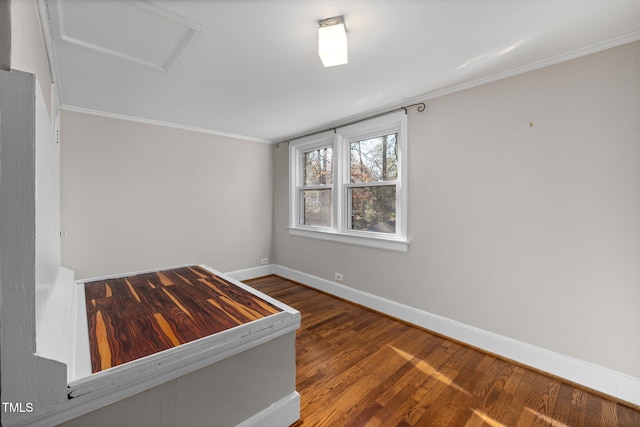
<point>373,207</point>
<point>317,178</point>
<point>318,167</point>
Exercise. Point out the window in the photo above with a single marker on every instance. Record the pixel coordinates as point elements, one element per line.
<point>350,186</point>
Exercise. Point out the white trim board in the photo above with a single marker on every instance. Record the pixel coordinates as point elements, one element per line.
<point>587,374</point>
<point>252,272</point>
<point>284,412</point>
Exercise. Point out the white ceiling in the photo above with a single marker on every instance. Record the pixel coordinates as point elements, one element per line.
<point>250,67</point>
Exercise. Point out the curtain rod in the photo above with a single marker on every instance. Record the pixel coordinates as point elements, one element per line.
<point>421,107</point>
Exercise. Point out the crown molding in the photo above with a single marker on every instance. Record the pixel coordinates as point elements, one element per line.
<point>588,50</point>
<point>161,123</point>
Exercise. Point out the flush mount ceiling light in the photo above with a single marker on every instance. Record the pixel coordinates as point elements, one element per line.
<point>332,41</point>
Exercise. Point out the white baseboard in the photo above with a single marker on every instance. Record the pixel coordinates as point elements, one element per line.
<point>252,272</point>
<point>595,377</point>
<point>284,412</point>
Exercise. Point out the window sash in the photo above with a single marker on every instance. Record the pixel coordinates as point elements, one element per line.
<point>374,171</point>
<point>349,214</point>
<point>302,207</point>
<point>323,160</point>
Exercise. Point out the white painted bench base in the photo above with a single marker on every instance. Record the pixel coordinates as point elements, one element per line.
<point>63,336</point>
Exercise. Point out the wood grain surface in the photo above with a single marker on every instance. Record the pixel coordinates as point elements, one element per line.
<point>359,368</point>
<point>136,316</point>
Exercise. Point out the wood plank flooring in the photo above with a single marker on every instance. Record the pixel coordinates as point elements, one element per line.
<point>356,367</point>
<point>135,316</point>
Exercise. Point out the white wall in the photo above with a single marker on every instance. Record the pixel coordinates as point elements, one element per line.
<point>524,212</point>
<point>137,196</point>
<point>47,208</point>
<point>28,52</point>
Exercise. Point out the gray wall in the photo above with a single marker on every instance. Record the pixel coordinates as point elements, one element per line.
<point>17,237</point>
<point>530,231</point>
<point>26,378</point>
<point>138,196</point>
<point>31,382</point>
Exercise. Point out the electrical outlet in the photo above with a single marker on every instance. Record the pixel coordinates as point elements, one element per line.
<point>338,277</point>
<point>264,261</point>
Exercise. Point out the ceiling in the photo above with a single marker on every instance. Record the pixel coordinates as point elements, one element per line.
<point>250,67</point>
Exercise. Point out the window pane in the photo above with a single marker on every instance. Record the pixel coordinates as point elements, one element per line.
<point>318,167</point>
<point>317,207</point>
<point>373,208</point>
<point>375,159</point>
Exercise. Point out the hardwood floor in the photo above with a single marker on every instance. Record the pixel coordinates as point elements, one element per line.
<point>356,367</point>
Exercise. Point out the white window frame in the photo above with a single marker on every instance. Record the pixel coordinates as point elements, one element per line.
<point>340,141</point>
<point>304,146</point>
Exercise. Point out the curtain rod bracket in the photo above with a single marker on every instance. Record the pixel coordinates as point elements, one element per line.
<point>421,107</point>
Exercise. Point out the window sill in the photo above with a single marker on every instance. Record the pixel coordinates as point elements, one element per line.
<point>389,244</point>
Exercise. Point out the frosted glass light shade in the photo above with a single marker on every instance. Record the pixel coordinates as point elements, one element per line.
<point>332,44</point>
